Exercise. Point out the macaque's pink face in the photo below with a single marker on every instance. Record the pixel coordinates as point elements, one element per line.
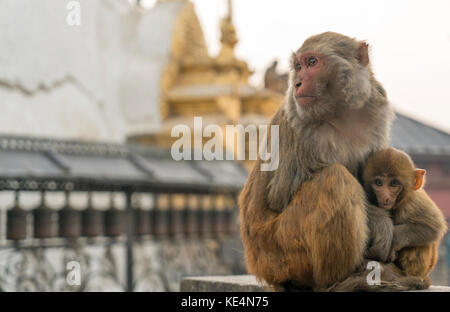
<point>386,190</point>
<point>308,67</point>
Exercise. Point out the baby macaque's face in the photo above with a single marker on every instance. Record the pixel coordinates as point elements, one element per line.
<point>386,189</point>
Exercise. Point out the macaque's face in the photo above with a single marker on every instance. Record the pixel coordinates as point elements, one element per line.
<point>386,189</point>
<point>308,67</point>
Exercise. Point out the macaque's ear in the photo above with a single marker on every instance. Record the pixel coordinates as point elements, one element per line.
<point>292,59</point>
<point>419,175</point>
<point>363,53</point>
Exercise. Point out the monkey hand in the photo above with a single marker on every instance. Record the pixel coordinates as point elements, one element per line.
<point>399,240</point>
<point>392,255</point>
<point>395,247</point>
<point>377,253</point>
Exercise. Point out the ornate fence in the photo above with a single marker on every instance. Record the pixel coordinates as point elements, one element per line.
<point>185,226</point>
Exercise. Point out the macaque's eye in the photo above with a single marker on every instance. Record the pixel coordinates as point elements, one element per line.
<point>312,60</point>
<point>395,183</point>
<point>298,67</point>
<point>378,182</point>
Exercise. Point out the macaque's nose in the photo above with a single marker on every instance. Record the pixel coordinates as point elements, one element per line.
<point>385,200</point>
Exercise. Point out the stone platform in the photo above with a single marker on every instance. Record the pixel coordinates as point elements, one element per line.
<point>245,283</point>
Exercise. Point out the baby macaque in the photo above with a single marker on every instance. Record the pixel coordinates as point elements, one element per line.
<point>405,225</point>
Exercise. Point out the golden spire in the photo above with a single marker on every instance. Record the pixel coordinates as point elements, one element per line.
<point>228,36</point>
<point>230,10</point>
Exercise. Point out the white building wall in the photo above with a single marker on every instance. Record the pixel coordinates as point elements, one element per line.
<point>58,80</point>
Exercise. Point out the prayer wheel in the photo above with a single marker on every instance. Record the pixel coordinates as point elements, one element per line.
<point>16,221</point>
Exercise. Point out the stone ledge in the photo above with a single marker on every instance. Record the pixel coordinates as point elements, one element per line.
<point>245,283</point>
<point>228,283</point>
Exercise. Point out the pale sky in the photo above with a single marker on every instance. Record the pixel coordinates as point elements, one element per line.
<point>409,40</point>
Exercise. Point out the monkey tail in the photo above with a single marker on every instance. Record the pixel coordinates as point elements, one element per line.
<point>358,283</point>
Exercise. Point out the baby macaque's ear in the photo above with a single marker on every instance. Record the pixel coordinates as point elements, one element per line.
<point>419,175</point>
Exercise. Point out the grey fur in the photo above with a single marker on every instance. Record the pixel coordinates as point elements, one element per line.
<point>381,229</point>
<point>319,143</point>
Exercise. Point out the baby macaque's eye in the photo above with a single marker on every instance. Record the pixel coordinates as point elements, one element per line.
<point>378,182</point>
<point>395,183</point>
<point>298,67</point>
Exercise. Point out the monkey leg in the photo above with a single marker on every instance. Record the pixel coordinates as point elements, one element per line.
<point>391,279</point>
<point>417,261</point>
<point>325,227</point>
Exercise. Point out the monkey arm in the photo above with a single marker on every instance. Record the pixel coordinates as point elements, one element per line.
<point>418,223</point>
<point>413,235</point>
<point>381,229</point>
<point>379,250</point>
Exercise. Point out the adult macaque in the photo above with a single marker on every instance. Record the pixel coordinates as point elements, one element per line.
<point>394,185</point>
<point>304,224</point>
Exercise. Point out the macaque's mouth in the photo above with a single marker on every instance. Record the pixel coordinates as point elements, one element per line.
<point>303,100</point>
<point>389,206</point>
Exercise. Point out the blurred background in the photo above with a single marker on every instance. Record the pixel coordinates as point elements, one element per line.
<point>91,89</point>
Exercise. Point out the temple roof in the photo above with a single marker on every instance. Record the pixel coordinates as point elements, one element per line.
<point>32,163</point>
<point>418,138</point>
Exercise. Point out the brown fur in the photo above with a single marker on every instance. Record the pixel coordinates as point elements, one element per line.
<point>305,223</point>
<point>392,278</point>
<point>419,224</point>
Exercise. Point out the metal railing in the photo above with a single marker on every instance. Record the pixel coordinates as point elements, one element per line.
<point>179,210</point>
